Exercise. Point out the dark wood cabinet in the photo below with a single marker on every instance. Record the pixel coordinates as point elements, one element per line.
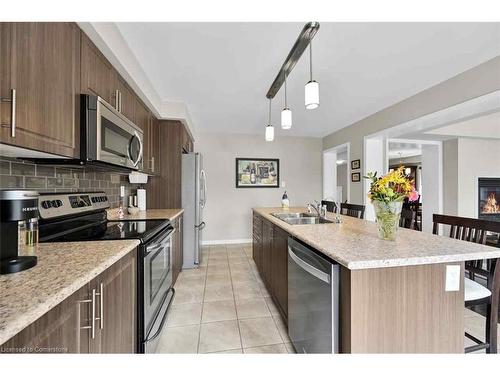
<point>116,308</point>
<point>177,253</point>
<point>151,158</point>
<point>267,248</point>
<point>67,328</point>
<point>279,263</point>
<point>186,141</point>
<point>127,99</point>
<point>142,114</point>
<point>41,62</point>
<point>97,74</point>
<point>270,254</point>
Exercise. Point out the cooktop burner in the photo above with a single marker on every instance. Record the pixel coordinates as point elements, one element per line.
<point>109,230</point>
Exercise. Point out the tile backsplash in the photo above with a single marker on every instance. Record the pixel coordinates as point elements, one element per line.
<point>16,174</point>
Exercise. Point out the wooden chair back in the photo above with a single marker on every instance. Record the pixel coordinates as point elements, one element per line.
<point>465,228</point>
<point>408,218</point>
<point>330,206</point>
<point>353,210</point>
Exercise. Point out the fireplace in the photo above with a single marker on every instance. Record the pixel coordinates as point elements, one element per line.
<point>489,198</point>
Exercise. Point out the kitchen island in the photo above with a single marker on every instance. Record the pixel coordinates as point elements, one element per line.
<point>392,294</point>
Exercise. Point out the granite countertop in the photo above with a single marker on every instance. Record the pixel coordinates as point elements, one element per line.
<point>355,245</point>
<point>62,269</point>
<point>160,213</point>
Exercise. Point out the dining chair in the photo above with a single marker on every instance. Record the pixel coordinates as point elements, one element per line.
<point>354,210</point>
<point>476,230</point>
<point>408,218</point>
<point>330,206</point>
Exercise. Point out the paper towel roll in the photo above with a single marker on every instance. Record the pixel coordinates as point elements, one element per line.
<point>141,199</point>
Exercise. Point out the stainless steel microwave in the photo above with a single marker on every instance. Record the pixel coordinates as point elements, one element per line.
<point>108,140</point>
<point>107,136</point>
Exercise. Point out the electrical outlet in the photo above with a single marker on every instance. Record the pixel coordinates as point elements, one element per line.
<point>452,278</point>
<point>122,191</point>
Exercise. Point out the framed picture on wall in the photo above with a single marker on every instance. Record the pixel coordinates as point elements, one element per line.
<point>355,164</point>
<point>355,177</point>
<point>257,173</point>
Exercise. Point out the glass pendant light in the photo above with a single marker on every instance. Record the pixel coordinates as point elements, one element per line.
<point>269,127</point>
<point>312,87</point>
<point>286,113</point>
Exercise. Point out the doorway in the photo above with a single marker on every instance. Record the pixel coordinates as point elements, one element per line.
<point>336,172</point>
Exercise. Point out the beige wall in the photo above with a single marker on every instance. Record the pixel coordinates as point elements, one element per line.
<point>470,84</point>
<point>228,210</point>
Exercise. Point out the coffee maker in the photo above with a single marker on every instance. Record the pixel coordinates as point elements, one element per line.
<point>15,206</point>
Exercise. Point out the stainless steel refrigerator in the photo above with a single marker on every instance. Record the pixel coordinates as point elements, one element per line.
<point>194,197</point>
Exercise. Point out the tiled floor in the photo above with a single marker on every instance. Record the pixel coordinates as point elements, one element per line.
<point>224,307</point>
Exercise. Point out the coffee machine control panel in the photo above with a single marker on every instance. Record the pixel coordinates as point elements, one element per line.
<point>57,205</point>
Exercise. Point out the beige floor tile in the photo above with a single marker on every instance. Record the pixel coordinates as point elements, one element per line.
<point>246,290</point>
<point>259,332</point>
<point>233,351</point>
<point>289,348</point>
<point>218,292</point>
<point>185,314</point>
<point>219,271</point>
<point>193,271</point>
<point>268,349</point>
<point>218,261</point>
<point>179,339</point>
<point>188,295</point>
<point>242,277</point>
<point>241,260</point>
<point>218,250</point>
<point>237,254</point>
<point>264,292</point>
<point>271,306</point>
<point>192,277</point>
<point>218,311</point>
<point>282,328</point>
<point>218,279</point>
<point>218,336</point>
<point>214,256</point>
<point>243,268</point>
<point>192,282</point>
<point>252,308</point>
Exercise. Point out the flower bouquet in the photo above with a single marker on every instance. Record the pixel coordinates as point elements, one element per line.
<point>387,194</point>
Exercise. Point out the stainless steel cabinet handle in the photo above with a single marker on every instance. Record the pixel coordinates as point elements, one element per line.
<point>120,105</point>
<point>101,306</point>
<point>92,320</point>
<point>117,100</point>
<point>80,303</point>
<point>152,164</point>
<point>308,268</point>
<point>13,103</point>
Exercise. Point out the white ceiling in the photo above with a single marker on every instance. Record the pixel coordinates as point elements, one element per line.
<point>222,71</point>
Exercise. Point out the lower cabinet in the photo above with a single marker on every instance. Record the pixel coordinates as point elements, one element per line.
<point>177,253</point>
<point>98,318</point>
<point>270,254</point>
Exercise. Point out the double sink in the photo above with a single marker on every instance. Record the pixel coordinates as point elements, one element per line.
<point>301,218</point>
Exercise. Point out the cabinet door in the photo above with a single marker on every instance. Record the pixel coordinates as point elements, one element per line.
<point>41,62</point>
<point>155,145</point>
<point>177,249</point>
<point>267,239</point>
<point>257,242</point>
<point>141,114</point>
<point>127,99</point>
<point>116,308</point>
<point>280,270</point>
<point>97,74</point>
<point>61,330</point>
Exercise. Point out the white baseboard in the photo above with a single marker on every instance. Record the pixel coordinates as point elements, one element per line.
<point>226,242</point>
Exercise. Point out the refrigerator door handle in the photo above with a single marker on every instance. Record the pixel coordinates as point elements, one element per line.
<point>203,199</point>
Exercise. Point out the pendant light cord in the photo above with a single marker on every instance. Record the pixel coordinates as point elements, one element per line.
<point>310,61</point>
<point>286,105</point>
<point>269,124</point>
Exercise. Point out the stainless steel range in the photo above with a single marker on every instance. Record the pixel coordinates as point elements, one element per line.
<point>82,217</point>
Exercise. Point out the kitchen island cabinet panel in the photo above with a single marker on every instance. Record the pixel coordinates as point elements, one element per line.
<point>41,62</point>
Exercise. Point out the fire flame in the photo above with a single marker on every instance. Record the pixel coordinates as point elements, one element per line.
<point>491,206</point>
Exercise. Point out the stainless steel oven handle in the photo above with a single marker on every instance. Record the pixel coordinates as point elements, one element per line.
<point>163,320</point>
<point>308,268</point>
<point>162,242</point>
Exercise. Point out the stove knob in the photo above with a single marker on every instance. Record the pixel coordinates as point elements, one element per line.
<point>46,204</point>
<point>92,199</point>
<point>59,203</point>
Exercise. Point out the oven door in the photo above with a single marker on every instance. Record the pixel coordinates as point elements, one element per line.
<point>119,141</point>
<point>157,268</point>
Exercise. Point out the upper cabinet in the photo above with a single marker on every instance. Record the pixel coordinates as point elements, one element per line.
<point>97,74</point>
<point>187,142</point>
<point>39,86</point>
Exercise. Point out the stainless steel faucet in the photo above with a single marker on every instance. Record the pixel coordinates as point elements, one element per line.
<point>320,210</point>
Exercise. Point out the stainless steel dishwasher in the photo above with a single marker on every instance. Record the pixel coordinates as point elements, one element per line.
<point>313,300</point>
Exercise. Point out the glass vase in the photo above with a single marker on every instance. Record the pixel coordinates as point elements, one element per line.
<point>387,214</point>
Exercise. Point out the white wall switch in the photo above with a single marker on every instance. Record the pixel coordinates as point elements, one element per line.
<point>452,278</point>
<point>283,184</point>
